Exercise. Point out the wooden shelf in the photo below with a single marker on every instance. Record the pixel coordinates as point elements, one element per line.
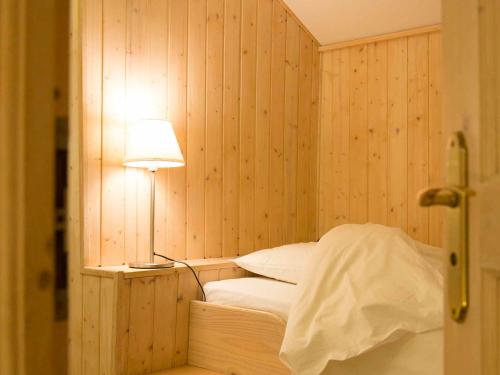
<point>128,273</point>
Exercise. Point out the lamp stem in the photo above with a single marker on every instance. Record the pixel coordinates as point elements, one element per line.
<point>152,219</point>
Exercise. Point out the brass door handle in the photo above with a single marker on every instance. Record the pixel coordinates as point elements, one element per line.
<point>442,196</point>
<point>454,196</point>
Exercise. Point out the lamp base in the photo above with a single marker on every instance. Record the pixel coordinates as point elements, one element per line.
<point>150,265</point>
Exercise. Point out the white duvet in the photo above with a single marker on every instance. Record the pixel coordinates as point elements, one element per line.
<point>365,285</point>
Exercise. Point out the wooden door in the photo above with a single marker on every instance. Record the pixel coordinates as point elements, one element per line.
<point>471,98</point>
<point>27,209</point>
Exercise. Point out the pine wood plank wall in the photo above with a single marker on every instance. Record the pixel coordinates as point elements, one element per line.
<point>239,81</point>
<point>381,134</point>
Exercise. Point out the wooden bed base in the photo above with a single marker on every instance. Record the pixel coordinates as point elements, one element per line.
<point>234,340</point>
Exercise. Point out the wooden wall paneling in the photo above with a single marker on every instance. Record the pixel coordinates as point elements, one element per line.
<point>384,104</point>
<point>187,290</point>
<point>213,167</point>
<point>290,134</point>
<point>397,103</point>
<point>314,146</point>
<point>263,122</point>
<point>437,144</point>
<point>418,134</point>
<point>358,136</point>
<point>217,69</point>
<point>247,125</point>
<point>341,137</point>
<point>113,125</point>
<point>157,89</point>
<point>304,136</point>
<point>197,23</point>
<point>91,122</point>
<point>177,114</point>
<point>122,310</point>
<point>231,134</point>
<point>134,79</point>
<point>326,160</point>
<point>141,329</point>
<point>393,85</point>
<point>107,327</point>
<point>90,325</point>
<point>165,314</point>
<point>276,182</point>
<point>377,132</point>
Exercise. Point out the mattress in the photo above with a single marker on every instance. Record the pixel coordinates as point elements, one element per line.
<point>255,293</point>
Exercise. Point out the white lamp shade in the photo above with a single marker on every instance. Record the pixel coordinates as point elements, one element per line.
<point>152,144</point>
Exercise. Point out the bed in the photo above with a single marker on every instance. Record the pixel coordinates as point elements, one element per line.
<point>248,300</point>
<point>240,329</point>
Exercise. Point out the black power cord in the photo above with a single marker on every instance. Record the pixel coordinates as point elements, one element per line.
<point>192,270</point>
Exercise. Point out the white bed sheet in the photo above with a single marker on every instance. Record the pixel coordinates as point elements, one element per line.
<point>256,293</point>
<point>415,354</point>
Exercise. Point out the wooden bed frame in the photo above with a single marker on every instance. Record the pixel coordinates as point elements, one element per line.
<point>234,340</point>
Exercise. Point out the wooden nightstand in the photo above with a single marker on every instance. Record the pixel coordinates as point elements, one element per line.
<point>136,320</point>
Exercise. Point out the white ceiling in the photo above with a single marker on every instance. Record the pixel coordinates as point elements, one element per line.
<point>340,20</point>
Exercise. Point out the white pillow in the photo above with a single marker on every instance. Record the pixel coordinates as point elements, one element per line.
<point>285,263</point>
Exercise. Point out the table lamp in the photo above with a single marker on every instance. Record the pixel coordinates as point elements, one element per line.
<point>152,144</point>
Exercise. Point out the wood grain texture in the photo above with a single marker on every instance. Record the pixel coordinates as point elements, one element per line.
<point>231,133</point>
<point>138,322</point>
<point>90,325</point>
<point>187,370</point>
<point>140,346</point>
<point>112,133</point>
<point>437,144</point>
<point>196,121</point>
<point>381,134</point>
<point>234,340</point>
<point>177,114</point>
<point>377,132</point>
<point>107,326</point>
<point>277,182</point>
<point>358,135</point>
<point>304,137</point>
<point>91,123</point>
<point>341,136</point>
<point>397,96</point>
<point>213,167</point>
<point>247,125</point>
<point>218,70</point>
<point>418,134</point>
<point>165,316</point>
<point>263,122</point>
<point>187,290</point>
<point>291,125</point>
